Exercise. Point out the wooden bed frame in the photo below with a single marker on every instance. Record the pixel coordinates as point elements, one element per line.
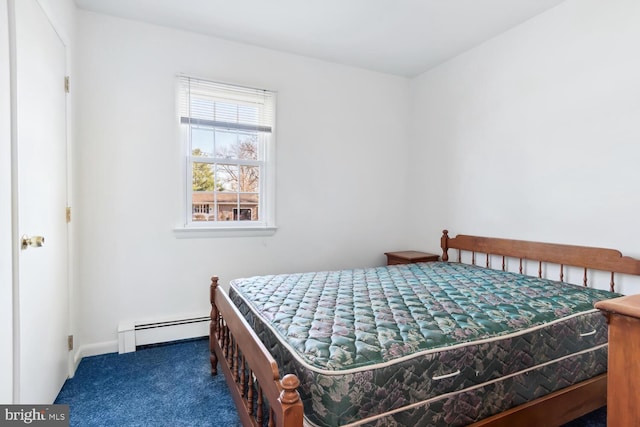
<point>248,366</point>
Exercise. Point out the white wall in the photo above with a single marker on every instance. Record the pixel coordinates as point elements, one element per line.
<point>535,134</point>
<point>341,170</point>
<point>6,256</point>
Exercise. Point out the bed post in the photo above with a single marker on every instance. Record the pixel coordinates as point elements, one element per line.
<point>290,398</point>
<point>444,244</point>
<point>213,326</point>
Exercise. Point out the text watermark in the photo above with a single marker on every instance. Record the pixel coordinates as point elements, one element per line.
<point>34,415</point>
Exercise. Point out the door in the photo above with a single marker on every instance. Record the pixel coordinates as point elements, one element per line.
<point>40,138</point>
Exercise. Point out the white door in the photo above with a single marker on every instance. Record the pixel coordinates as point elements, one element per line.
<point>43,308</point>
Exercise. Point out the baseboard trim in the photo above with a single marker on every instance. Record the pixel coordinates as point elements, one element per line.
<point>95,349</point>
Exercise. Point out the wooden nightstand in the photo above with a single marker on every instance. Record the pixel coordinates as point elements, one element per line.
<point>408,257</point>
<point>623,315</point>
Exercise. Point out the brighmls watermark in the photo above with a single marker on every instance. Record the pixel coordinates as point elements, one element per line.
<point>34,415</point>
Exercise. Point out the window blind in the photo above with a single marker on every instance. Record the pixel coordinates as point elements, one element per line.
<point>202,102</point>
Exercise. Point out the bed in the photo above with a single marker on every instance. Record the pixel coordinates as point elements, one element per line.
<point>444,343</point>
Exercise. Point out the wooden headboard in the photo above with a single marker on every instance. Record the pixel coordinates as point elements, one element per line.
<point>585,257</point>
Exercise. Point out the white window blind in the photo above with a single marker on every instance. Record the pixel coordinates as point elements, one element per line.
<point>234,107</point>
<point>228,132</point>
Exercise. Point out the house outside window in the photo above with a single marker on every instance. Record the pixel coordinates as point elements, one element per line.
<point>228,135</point>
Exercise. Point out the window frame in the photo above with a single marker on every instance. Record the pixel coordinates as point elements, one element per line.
<point>265,225</point>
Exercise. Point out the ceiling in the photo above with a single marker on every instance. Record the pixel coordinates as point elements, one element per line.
<point>403,37</point>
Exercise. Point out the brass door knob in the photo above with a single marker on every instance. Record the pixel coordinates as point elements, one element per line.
<point>33,241</point>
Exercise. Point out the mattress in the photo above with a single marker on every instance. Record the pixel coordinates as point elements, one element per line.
<point>409,344</point>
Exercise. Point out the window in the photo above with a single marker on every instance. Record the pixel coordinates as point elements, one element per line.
<point>228,133</point>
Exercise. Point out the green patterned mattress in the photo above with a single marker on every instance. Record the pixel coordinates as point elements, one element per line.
<point>424,344</point>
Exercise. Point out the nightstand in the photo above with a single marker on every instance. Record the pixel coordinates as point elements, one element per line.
<point>409,257</point>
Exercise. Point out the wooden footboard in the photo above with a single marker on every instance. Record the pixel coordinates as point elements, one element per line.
<point>250,371</point>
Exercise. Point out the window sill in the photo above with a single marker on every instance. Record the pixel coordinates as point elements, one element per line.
<point>207,232</point>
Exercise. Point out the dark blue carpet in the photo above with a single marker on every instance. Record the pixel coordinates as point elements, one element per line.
<point>597,418</point>
<point>169,385</point>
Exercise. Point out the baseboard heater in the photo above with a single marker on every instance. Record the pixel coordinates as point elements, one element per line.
<point>132,334</point>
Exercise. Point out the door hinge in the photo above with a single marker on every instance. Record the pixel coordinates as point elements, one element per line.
<point>70,342</point>
<point>68,214</point>
<point>66,84</point>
